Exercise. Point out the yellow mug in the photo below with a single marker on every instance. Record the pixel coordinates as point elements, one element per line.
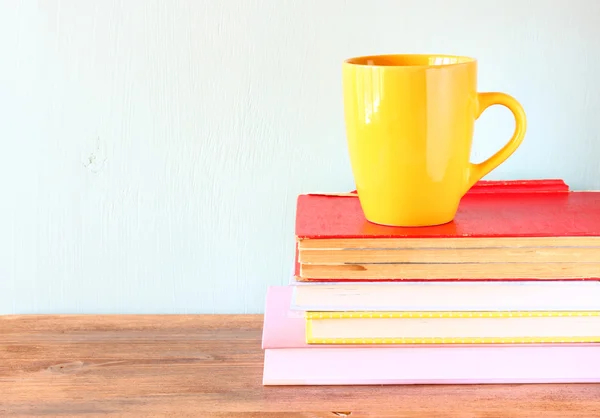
<point>409,125</point>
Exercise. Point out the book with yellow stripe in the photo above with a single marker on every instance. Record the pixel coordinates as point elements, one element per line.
<point>430,327</point>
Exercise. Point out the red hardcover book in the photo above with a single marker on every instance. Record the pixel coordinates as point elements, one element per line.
<point>539,227</point>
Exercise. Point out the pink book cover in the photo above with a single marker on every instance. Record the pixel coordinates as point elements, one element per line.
<point>285,328</point>
<point>432,365</point>
<point>282,327</point>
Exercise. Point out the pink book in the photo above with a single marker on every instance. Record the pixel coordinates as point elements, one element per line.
<point>283,327</point>
<point>432,365</point>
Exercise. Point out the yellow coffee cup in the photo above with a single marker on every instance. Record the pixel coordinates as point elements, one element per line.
<point>409,125</point>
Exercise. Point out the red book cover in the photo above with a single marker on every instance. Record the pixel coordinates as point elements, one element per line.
<point>525,208</point>
<point>529,208</point>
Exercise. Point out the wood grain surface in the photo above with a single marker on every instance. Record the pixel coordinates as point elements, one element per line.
<point>211,366</point>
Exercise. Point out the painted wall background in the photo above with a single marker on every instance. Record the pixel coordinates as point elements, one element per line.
<point>152,151</point>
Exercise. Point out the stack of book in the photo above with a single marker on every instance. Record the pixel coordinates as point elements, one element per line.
<point>507,292</point>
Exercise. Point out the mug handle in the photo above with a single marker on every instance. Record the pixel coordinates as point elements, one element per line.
<point>485,100</point>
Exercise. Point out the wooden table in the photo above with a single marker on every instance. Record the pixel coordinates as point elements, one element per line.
<point>211,366</point>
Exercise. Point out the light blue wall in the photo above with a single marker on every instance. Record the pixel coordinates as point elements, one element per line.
<point>152,151</point>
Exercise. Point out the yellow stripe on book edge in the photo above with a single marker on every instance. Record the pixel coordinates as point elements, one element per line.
<point>434,314</point>
<point>474,340</point>
<point>308,331</point>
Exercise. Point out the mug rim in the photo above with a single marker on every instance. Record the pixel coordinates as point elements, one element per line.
<point>460,60</point>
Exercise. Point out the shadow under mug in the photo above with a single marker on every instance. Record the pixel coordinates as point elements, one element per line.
<point>409,124</point>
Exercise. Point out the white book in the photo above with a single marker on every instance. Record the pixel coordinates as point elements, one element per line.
<point>448,296</point>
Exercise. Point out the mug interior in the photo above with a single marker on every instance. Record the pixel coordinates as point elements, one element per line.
<point>409,60</point>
